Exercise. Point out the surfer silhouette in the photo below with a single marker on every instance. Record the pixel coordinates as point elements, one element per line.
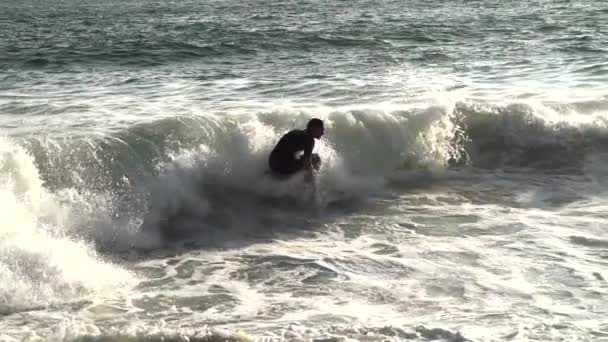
<point>283,160</point>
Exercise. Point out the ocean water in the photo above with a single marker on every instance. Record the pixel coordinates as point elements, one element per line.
<point>463,194</point>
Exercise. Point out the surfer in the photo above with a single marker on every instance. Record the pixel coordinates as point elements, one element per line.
<point>283,160</point>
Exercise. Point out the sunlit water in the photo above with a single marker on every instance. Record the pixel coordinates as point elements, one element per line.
<point>461,197</point>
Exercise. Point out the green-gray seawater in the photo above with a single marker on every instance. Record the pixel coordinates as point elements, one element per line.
<point>462,195</point>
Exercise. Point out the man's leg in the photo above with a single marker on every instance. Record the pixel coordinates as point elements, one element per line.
<point>286,167</point>
<point>315,161</point>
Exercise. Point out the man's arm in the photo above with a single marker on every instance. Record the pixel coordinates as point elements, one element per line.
<point>308,158</point>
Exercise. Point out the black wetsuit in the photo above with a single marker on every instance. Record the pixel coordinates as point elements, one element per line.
<point>283,159</point>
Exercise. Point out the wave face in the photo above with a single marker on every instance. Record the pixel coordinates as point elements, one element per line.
<point>364,140</point>
<point>180,163</point>
<point>535,135</point>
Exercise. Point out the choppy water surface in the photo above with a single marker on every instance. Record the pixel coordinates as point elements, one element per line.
<point>462,194</point>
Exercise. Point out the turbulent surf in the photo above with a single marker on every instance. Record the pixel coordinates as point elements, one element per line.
<point>461,195</point>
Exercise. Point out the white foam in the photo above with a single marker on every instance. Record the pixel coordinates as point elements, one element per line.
<point>39,262</point>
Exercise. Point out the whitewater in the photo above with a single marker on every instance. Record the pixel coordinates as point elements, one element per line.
<point>462,194</point>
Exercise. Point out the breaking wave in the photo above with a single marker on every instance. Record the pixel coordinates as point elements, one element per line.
<point>206,176</point>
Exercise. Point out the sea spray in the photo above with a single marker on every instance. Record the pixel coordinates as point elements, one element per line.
<point>41,262</point>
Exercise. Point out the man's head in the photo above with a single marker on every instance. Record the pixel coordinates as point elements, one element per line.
<point>315,127</point>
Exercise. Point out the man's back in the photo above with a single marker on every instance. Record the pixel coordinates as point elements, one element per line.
<point>292,142</point>
<point>283,159</point>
